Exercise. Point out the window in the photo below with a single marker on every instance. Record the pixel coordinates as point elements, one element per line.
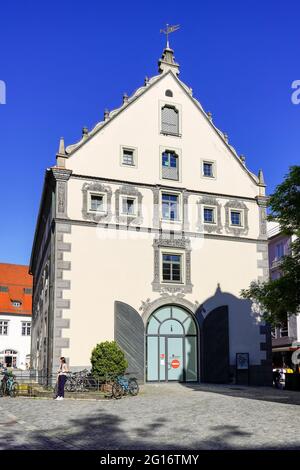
<point>209,215</point>
<point>26,328</point>
<point>169,120</point>
<point>16,303</point>
<point>169,93</point>
<point>171,267</point>
<point>284,331</point>
<point>128,205</point>
<point>170,165</point>
<point>3,327</point>
<point>27,290</point>
<point>279,250</point>
<point>208,169</point>
<point>236,218</point>
<point>170,203</point>
<point>3,289</point>
<point>97,202</point>
<point>128,157</point>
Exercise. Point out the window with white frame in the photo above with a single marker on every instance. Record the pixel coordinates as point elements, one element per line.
<point>236,218</point>
<point>209,215</point>
<point>208,169</point>
<point>26,328</point>
<point>128,156</point>
<point>171,267</point>
<point>129,205</point>
<point>169,120</point>
<point>4,327</point>
<point>96,202</point>
<point>170,165</point>
<point>170,206</point>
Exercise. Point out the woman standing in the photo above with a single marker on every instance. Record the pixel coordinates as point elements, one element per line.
<point>61,379</point>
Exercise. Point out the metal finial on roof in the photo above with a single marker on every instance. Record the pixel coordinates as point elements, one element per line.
<point>209,115</point>
<point>243,159</point>
<point>125,98</point>
<point>225,137</point>
<point>169,29</point>
<point>146,80</point>
<point>85,132</point>
<point>106,114</point>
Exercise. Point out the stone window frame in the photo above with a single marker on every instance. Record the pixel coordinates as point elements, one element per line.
<point>89,205</point>
<point>96,187</point>
<point>235,229</point>
<point>181,246</point>
<point>178,152</point>
<point>211,202</point>
<point>130,191</point>
<point>171,104</point>
<point>135,205</point>
<point>214,167</point>
<point>172,251</point>
<point>242,217</point>
<point>135,156</point>
<point>180,214</point>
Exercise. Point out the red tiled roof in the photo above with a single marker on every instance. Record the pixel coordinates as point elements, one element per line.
<point>16,278</point>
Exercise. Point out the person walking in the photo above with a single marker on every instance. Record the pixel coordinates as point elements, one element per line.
<point>61,379</point>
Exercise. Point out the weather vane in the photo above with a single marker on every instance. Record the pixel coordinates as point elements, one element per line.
<point>169,29</point>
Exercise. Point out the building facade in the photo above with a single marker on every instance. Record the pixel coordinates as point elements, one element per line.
<point>148,229</point>
<point>15,315</point>
<point>286,335</point>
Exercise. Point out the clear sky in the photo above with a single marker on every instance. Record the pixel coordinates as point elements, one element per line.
<point>64,61</point>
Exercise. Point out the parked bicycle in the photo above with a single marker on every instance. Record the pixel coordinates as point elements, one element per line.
<point>81,381</point>
<point>124,386</point>
<point>9,386</point>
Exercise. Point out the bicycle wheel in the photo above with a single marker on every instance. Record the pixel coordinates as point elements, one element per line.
<point>133,387</point>
<point>14,389</point>
<point>117,391</point>
<point>70,385</point>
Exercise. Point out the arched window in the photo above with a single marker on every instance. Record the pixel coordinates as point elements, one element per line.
<point>169,93</point>
<point>169,120</point>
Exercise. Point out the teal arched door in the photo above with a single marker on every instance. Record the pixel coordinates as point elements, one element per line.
<point>172,346</point>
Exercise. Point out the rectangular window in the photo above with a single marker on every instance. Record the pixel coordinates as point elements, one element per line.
<point>3,327</point>
<point>3,289</point>
<point>170,209</point>
<point>27,290</point>
<point>279,250</point>
<point>236,218</point>
<point>169,120</point>
<point>128,157</point>
<point>97,202</point>
<point>209,215</point>
<point>128,205</point>
<point>208,169</point>
<point>171,267</point>
<point>26,328</point>
<point>170,165</point>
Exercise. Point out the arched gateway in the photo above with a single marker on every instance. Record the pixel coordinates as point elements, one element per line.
<point>172,346</point>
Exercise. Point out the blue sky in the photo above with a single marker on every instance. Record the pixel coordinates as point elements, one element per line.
<point>64,61</point>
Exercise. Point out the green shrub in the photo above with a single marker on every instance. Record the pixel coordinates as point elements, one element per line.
<point>108,360</point>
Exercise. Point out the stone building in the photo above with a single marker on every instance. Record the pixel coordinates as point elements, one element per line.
<point>148,229</point>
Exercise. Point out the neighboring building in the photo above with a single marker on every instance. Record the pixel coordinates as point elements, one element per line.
<point>285,335</point>
<point>15,315</point>
<point>148,229</point>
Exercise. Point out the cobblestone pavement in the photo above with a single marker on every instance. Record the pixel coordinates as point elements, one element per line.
<point>166,416</point>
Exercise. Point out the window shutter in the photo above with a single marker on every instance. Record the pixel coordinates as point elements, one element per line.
<point>169,120</point>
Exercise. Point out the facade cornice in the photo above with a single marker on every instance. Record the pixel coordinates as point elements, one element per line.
<point>162,187</point>
<point>161,232</point>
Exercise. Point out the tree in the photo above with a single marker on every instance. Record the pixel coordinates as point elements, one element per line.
<point>108,360</point>
<point>281,297</point>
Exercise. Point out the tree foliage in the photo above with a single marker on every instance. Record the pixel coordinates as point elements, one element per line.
<point>108,360</point>
<point>281,297</point>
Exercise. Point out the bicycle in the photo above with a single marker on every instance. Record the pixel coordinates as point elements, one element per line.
<point>9,386</point>
<point>123,386</point>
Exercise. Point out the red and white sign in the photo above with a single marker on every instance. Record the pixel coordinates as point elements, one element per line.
<point>175,364</point>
